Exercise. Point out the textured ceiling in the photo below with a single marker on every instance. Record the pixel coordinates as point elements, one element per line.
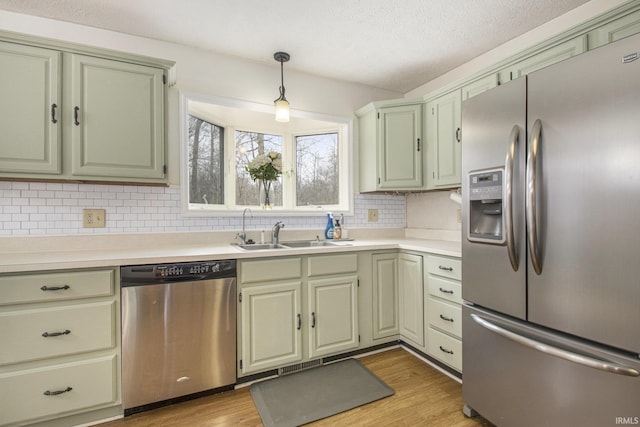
<point>389,44</point>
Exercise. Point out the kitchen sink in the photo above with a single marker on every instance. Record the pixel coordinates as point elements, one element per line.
<point>259,246</point>
<point>289,245</point>
<point>312,243</point>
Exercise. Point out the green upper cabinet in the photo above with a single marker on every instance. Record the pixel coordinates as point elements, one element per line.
<point>444,151</point>
<point>69,112</point>
<point>117,118</point>
<point>30,109</point>
<point>390,147</point>
<point>615,30</point>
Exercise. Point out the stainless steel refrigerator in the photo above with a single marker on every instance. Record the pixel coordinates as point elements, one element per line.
<point>551,244</point>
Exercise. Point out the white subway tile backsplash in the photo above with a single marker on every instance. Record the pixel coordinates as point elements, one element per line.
<point>56,208</point>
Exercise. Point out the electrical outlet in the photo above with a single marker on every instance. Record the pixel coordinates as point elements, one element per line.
<point>93,218</point>
<point>459,213</point>
<point>372,215</point>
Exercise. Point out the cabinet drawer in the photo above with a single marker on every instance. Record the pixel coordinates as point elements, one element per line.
<point>446,267</point>
<point>445,348</point>
<point>445,289</point>
<point>90,383</point>
<point>25,288</point>
<point>270,269</point>
<point>445,316</point>
<point>332,264</point>
<point>90,326</point>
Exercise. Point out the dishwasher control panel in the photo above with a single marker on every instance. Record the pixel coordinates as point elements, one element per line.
<point>183,271</point>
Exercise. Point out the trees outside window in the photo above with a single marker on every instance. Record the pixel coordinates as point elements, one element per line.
<point>317,170</point>
<point>206,166</point>
<point>249,145</point>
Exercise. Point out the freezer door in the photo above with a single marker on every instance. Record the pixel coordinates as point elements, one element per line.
<point>587,195</point>
<point>493,125</point>
<point>511,381</point>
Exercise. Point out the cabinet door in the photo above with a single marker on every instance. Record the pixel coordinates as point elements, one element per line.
<point>116,119</point>
<point>333,315</point>
<point>271,325</point>
<point>544,59</point>
<point>385,296</point>
<point>615,30</point>
<point>30,109</point>
<point>400,145</point>
<point>444,152</point>
<point>411,297</point>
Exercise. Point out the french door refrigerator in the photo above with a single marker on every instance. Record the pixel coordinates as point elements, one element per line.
<point>551,244</point>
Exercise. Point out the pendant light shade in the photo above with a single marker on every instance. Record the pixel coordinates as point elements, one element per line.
<point>282,105</point>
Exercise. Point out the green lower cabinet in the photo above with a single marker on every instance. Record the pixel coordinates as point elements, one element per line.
<point>271,326</point>
<point>410,281</point>
<point>332,315</point>
<point>386,320</point>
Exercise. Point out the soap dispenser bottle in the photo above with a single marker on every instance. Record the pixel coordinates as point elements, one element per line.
<point>328,231</point>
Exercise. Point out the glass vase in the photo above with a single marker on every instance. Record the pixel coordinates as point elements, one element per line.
<point>266,194</point>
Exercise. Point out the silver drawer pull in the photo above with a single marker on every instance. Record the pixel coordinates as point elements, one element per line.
<point>445,350</point>
<point>446,291</point>
<point>56,334</point>
<point>57,392</point>
<point>441,267</point>
<point>448,319</point>
<point>55,288</point>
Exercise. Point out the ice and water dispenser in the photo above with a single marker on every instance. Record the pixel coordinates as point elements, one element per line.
<point>486,222</point>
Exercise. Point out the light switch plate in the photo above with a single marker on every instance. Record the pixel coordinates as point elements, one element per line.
<point>93,218</point>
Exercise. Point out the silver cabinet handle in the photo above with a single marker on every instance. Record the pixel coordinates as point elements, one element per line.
<point>508,178</point>
<point>313,319</point>
<point>53,113</point>
<point>532,222</point>
<point>445,268</point>
<point>557,352</point>
<point>445,318</point>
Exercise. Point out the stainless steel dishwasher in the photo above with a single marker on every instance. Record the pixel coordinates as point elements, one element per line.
<point>178,331</point>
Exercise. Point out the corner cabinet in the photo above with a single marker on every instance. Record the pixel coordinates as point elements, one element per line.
<point>386,319</point>
<point>60,355</point>
<point>410,282</point>
<point>71,114</point>
<point>391,146</point>
<point>444,136</point>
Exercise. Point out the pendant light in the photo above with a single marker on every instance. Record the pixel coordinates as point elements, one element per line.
<point>282,105</point>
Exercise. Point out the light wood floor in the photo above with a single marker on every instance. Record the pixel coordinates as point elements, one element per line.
<point>423,397</point>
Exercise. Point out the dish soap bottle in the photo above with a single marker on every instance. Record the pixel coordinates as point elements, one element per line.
<point>337,231</point>
<point>328,231</point>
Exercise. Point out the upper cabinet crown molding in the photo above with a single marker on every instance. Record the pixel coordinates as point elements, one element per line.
<point>81,49</point>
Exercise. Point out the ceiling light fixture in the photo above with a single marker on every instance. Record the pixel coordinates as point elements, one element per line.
<point>282,105</point>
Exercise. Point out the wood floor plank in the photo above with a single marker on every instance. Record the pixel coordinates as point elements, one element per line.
<point>423,397</point>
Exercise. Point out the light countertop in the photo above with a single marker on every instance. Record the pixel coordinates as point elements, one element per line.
<point>51,253</point>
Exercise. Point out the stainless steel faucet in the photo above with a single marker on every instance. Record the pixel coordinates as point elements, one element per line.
<point>243,234</point>
<point>275,232</point>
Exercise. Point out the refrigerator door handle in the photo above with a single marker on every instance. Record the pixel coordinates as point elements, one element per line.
<point>557,352</point>
<point>514,138</point>
<point>532,222</point>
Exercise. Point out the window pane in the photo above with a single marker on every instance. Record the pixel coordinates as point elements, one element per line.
<point>206,173</point>
<point>317,173</point>
<point>250,145</point>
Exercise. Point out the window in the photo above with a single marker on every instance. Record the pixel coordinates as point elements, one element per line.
<point>317,170</point>
<point>206,168</point>
<point>249,145</point>
<point>223,136</point>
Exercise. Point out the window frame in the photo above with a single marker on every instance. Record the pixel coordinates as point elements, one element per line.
<point>343,126</point>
